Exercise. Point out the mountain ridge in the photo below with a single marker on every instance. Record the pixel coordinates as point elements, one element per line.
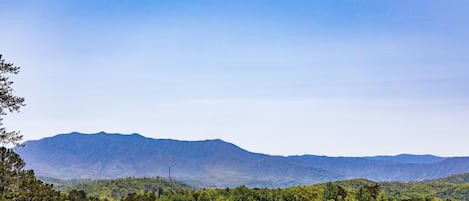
<point>214,162</point>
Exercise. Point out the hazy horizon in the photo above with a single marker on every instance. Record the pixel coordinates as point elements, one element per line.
<point>336,78</point>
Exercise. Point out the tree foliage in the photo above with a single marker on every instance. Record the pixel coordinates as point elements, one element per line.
<point>8,102</point>
<point>159,189</point>
<point>19,184</point>
<point>118,188</point>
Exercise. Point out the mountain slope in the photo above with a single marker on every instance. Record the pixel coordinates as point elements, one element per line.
<point>214,162</point>
<point>209,162</point>
<point>453,179</point>
<point>379,170</point>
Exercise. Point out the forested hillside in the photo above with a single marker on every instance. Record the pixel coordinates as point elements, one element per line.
<point>156,189</point>
<point>454,179</point>
<point>118,188</point>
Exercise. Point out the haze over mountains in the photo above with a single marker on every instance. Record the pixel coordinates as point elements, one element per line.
<point>216,163</point>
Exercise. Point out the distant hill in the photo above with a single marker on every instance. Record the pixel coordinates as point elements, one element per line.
<point>214,162</point>
<point>409,158</point>
<point>415,190</point>
<point>453,179</point>
<point>382,170</point>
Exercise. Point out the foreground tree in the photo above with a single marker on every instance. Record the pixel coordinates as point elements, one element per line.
<point>8,102</point>
<point>19,184</point>
<point>16,183</point>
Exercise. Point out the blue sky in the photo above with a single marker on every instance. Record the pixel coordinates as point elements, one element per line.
<point>280,77</point>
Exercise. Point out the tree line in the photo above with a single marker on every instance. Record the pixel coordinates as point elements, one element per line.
<point>350,190</point>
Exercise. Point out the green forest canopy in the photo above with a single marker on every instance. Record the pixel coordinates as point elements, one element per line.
<point>455,187</point>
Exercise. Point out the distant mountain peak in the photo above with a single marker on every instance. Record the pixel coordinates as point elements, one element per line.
<point>97,133</point>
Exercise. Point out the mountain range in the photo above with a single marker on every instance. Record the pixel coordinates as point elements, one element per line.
<point>216,163</point>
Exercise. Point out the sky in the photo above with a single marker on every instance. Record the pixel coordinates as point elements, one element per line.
<point>336,78</point>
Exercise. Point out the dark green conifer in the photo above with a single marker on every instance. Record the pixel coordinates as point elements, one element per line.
<point>8,102</point>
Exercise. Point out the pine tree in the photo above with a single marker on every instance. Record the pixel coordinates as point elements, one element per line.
<point>8,102</point>
<point>19,184</point>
